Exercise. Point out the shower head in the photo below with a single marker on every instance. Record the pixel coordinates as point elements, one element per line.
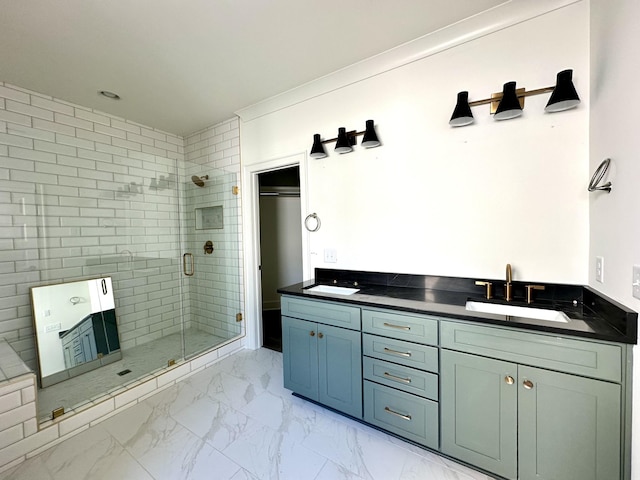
<point>199,181</point>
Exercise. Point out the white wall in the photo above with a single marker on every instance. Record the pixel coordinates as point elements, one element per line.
<point>444,201</point>
<point>614,219</point>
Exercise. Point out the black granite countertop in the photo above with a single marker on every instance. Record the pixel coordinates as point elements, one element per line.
<point>591,314</point>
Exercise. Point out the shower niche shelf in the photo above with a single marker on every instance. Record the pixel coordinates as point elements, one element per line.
<point>209,218</point>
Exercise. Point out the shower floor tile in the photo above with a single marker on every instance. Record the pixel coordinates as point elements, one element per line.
<point>205,428</point>
<point>141,360</point>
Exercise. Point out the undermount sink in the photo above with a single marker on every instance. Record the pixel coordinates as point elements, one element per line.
<point>334,290</point>
<point>517,311</point>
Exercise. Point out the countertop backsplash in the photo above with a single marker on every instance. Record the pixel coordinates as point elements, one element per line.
<point>592,314</point>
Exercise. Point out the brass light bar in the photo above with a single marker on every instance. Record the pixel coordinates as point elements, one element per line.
<point>350,135</point>
<point>520,92</point>
<point>345,140</point>
<point>510,102</point>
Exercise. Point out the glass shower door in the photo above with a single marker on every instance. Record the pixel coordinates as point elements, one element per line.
<point>211,260</point>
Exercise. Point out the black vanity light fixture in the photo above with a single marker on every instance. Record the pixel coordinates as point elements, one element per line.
<point>345,140</point>
<point>510,102</point>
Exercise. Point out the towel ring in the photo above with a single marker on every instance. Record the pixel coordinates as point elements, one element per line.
<point>597,177</point>
<point>316,218</point>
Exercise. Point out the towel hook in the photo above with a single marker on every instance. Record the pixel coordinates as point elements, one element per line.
<point>597,177</point>
<point>316,218</point>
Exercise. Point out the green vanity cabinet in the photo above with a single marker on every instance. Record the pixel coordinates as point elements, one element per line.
<point>323,362</point>
<point>300,356</point>
<point>524,422</point>
<point>568,426</point>
<point>401,374</point>
<point>479,417</point>
<point>520,404</point>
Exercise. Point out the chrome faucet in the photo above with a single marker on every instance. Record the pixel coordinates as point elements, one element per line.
<point>508,294</point>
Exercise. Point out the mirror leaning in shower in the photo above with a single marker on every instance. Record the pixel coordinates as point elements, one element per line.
<point>76,329</point>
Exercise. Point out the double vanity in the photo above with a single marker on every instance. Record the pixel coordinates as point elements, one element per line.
<point>518,390</point>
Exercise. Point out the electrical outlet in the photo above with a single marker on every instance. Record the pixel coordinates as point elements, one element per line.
<point>330,255</point>
<point>53,327</point>
<point>600,269</point>
<point>636,281</point>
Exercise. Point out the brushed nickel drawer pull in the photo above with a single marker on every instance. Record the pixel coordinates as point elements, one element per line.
<point>400,327</point>
<point>395,352</point>
<point>397,379</point>
<point>402,416</point>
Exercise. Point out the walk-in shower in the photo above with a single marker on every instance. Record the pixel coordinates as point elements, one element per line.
<point>167,309</point>
<point>137,238</point>
<point>87,196</point>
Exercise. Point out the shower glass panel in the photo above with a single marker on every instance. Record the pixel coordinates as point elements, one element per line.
<point>120,221</point>
<point>85,195</point>
<point>211,268</point>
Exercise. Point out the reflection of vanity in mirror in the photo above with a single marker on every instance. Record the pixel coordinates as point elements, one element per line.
<point>75,326</point>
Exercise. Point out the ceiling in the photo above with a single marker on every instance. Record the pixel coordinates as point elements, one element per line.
<point>181,66</point>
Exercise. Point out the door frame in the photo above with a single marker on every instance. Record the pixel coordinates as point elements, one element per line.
<point>251,238</point>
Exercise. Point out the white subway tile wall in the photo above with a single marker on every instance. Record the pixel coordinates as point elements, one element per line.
<point>76,203</point>
<point>17,398</point>
<point>85,194</point>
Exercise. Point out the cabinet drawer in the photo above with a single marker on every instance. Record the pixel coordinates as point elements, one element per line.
<point>404,378</point>
<point>418,329</point>
<point>590,359</point>
<point>329,313</point>
<point>411,417</point>
<point>399,351</point>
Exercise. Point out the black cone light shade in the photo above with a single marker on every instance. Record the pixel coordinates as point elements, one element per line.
<point>317,150</point>
<point>509,106</point>
<point>343,145</point>
<point>462,113</point>
<point>564,96</point>
<point>370,139</point>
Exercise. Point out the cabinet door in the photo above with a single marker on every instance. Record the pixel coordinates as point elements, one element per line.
<point>478,404</point>
<point>89,346</point>
<point>340,369</point>
<point>300,356</point>
<point>569,427</point>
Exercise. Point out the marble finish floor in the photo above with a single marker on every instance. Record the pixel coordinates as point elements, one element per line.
<point>235,421</point>
<point>142,360</point>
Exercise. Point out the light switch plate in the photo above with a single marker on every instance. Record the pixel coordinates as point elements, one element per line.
<point>600,269</point>
<point>636,281</point>
<point>330,255</point>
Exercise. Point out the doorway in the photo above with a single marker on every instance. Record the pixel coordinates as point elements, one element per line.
<point>280,245</point>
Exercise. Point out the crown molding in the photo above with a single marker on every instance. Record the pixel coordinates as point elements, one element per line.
<point>495,19</point>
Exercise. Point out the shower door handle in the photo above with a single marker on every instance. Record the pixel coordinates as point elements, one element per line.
<point>184,264</point>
